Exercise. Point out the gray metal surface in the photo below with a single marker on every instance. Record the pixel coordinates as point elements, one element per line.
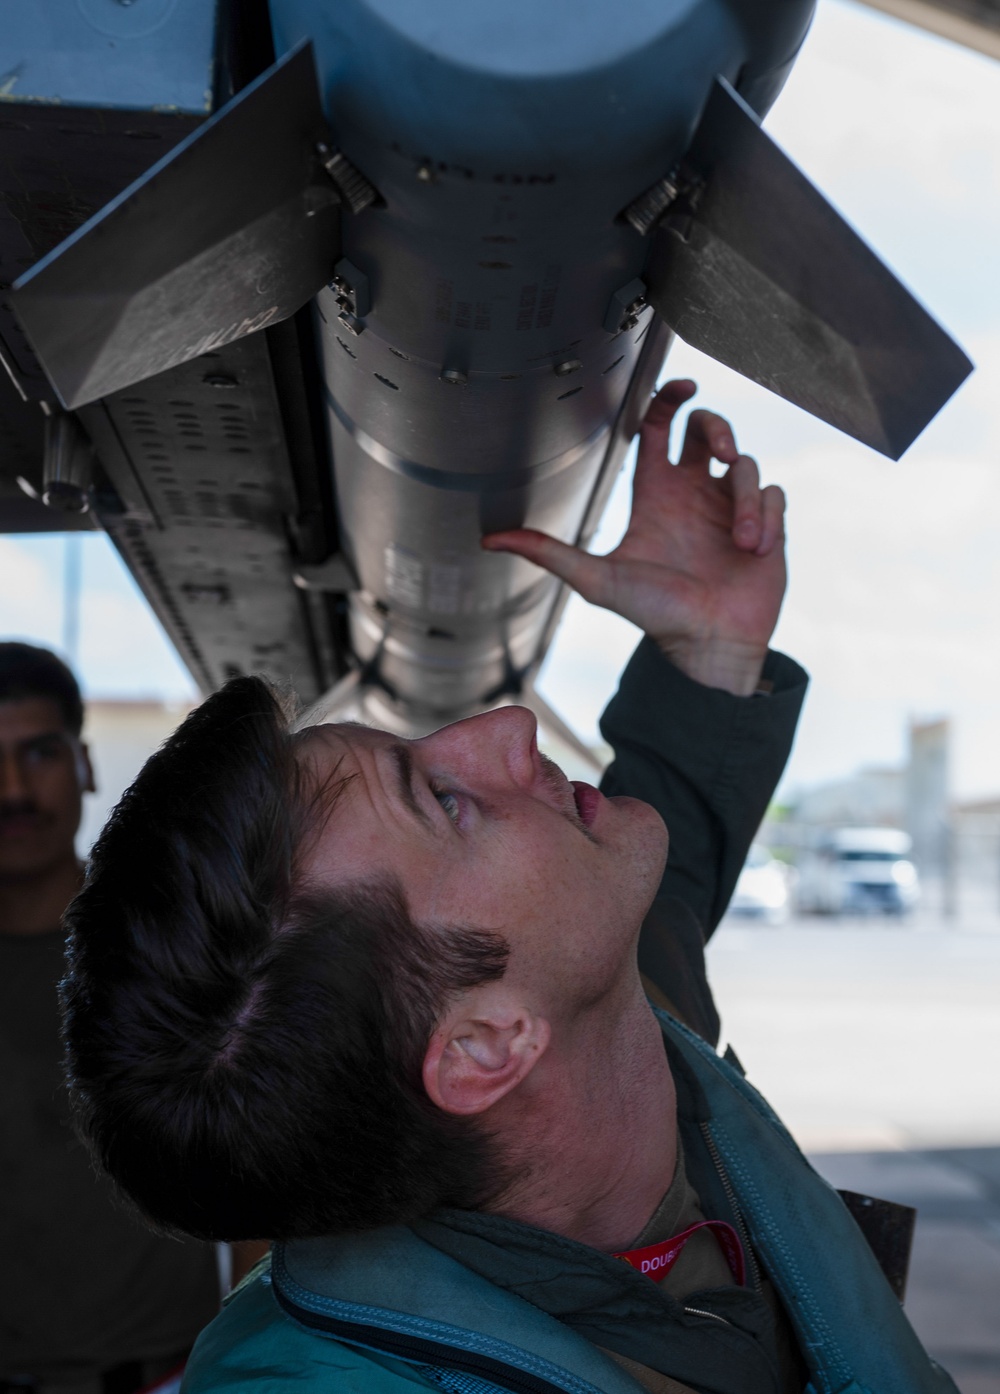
<point>203,511</point>
<point>443,626</point>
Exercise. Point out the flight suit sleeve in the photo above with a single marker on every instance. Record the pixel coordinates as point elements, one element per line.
<point>708,762</point>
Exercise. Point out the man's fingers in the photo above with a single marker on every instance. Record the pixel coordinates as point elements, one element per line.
<point>772,507</point>
<point>708,436</point>
<point>666,404</point>
<point>758,514</point>
<point>743,479</point>
<point>654,434</point>
<point>578,569</point>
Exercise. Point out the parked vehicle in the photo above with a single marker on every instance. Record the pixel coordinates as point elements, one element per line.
<point>859,871</point>
<point>762,891</point>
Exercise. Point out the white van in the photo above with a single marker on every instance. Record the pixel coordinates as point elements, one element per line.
<point>859,871</point>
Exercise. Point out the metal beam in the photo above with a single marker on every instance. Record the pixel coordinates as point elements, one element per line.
<point>973,23</point>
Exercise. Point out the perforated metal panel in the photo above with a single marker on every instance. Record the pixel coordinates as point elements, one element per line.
<point>199,461</point>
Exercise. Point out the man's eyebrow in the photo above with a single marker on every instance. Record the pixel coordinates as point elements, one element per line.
<point>402,760</point>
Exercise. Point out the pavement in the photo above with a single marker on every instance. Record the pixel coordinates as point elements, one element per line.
<point>879,1044</point>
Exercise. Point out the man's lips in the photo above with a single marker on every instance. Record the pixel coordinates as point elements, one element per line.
<point>588,800</point>
<point>22,825</point>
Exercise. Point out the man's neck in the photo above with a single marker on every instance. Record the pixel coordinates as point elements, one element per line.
<point>593,1139</point>
<point>35,904</point>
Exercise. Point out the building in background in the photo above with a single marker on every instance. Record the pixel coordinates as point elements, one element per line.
<point>121,734</point>
<point>927,812</point>
<point>955,845</point>
<point>976,834</point>
<point>871,797</point>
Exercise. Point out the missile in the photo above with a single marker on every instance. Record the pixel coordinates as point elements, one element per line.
<point>467,236</point>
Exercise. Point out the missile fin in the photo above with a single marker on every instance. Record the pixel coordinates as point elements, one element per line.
<point>235,229</point>
<point>751,265</point>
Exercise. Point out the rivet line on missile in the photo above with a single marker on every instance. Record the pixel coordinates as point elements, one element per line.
<point>496,480</point>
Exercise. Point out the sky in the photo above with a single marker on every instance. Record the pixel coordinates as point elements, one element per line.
<point>894,567</point>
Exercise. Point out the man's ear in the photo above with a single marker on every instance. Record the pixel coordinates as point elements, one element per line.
<point>84,769</point>
<point>475,1057</point>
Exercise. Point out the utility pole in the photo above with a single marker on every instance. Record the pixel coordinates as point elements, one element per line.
<point>72,566</point>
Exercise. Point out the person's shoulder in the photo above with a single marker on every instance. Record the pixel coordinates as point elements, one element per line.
<point>253,1342</point>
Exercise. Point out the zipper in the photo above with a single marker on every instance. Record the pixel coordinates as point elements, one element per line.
<point>420,1352</point>
<point>700,1312</point>
<point>741,1228</point>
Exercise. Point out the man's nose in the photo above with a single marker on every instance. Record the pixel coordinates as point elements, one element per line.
<point>499,743</point>
<point>13,785</point>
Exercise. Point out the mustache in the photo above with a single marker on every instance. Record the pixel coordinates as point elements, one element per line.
<point>559,785</point>
<point>18,808</point>
<point>554,777</point>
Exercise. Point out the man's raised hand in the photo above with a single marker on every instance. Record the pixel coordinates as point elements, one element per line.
<point>701,568</point>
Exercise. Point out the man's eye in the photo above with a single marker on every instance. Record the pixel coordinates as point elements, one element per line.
<point>38,751</point>
<point>448,802</point>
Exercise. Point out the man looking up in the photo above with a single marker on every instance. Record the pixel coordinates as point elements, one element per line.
<point>380,1000</point>
<point>90,1301</point>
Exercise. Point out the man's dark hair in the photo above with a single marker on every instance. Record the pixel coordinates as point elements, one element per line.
<point>27,671</point>
<point>245,1048</point>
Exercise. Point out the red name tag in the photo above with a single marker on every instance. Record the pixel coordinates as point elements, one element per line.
<point>166,1384</point>
<point>656,1260</point>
